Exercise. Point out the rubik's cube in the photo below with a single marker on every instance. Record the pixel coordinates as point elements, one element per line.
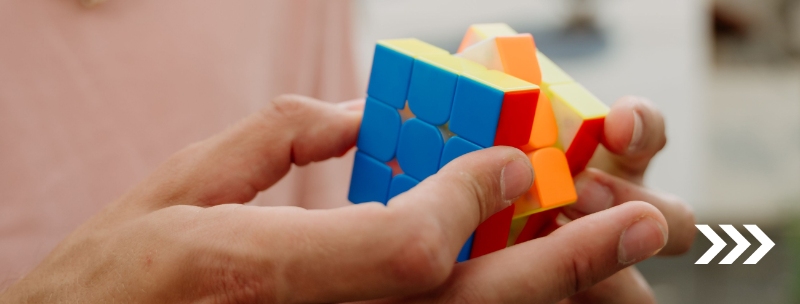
<point>426,107</point>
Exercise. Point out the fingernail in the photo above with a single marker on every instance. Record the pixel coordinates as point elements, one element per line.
<point>592,196</point>
<point>516,178</point>
<point>641,240</point>
<point>636,138</point>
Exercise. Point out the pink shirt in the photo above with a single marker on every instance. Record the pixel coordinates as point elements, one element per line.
<point>92,100</point>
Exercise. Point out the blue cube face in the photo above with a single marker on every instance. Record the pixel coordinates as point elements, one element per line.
<point>430,94</point>
<point>390,76</point>
<point>380,128</point>
<point>419,149</point>
<point>476,111</point>
<point>370,180</point>
<point>401,183</point>
<point>456,147</point>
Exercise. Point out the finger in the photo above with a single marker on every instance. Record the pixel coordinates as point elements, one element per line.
<point>571,259</point>
<point>598,191</point>
<point>627,286</point>
<point>370,250</point>
<point>233,166</point>
<point>633,133</point>
<point>450,195</point>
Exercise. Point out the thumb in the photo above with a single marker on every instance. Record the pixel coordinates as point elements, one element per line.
<point>571,259</point>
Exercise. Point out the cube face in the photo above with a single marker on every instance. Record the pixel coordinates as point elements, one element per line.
<point>419,149</point>
<point>380,129</point>
<point>476,111</point>
<point>432,103</point>
<point>370,180</point>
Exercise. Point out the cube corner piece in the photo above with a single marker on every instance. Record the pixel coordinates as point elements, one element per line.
<point>493,108</point>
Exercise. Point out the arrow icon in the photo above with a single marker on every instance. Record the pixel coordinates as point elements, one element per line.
<point>715,249</point>
<point>766,244</point>
<point>741,244</point>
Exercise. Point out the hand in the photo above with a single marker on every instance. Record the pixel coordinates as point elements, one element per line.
<point>634,134</point>
<point>182,234</point>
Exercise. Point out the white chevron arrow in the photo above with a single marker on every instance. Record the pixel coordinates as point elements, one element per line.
<point>766,244</point>
<point>741,244</point>
<point>715,249</point>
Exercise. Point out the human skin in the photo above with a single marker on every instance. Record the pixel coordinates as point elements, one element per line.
<point>184,235</point>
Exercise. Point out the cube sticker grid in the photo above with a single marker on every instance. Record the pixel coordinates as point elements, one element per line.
<point>426,107</point>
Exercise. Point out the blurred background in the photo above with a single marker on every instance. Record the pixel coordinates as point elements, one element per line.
<point>726,74</point>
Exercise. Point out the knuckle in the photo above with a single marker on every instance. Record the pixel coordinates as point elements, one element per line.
<point>423,260</point>
<point>578,271</point>
<point>287,106</point>
<point>231,285</point>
